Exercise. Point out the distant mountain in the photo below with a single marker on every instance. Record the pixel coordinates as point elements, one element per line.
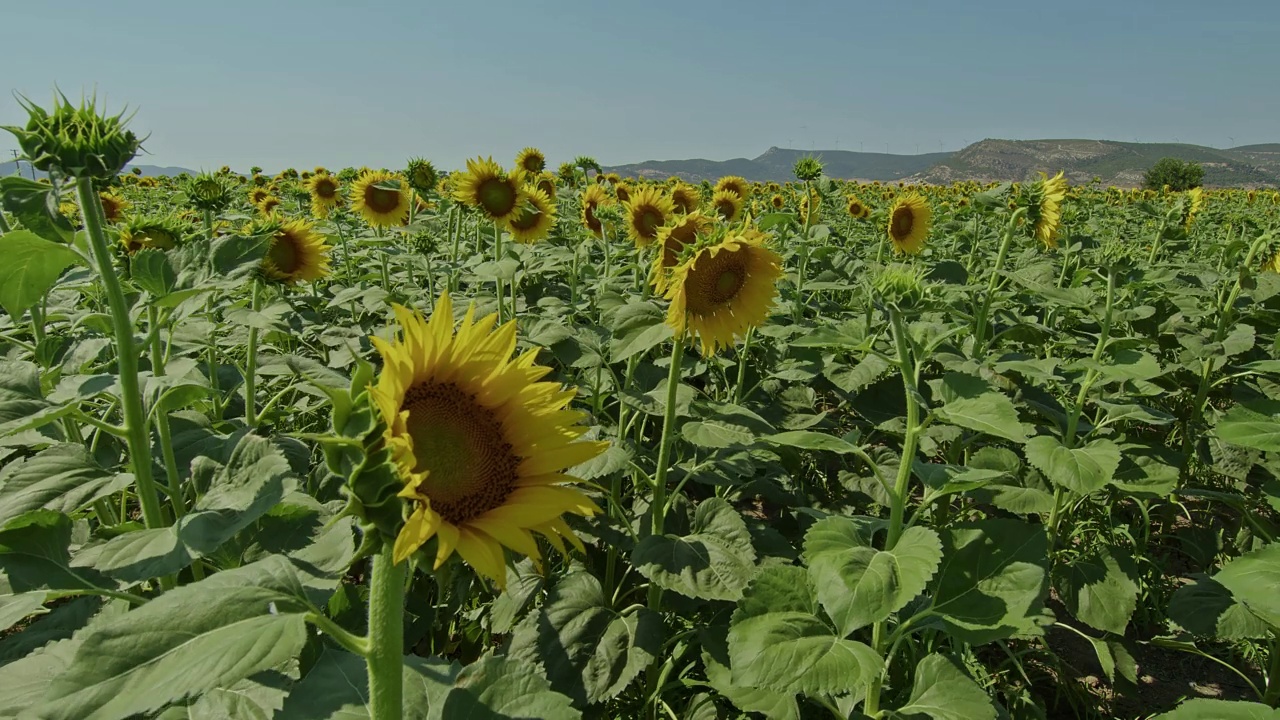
<point>8,168</point>
<point>1116,163</point>
<point>776,163</point>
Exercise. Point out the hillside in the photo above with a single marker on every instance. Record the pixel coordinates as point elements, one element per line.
<point>775,164</point>
<point>7,168</point>
<point>1117,163</point>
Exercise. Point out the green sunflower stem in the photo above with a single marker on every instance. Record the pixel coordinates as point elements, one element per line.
<point>497,257</point>
<point>208,224</point>
<point>980,327</point>
<point>135,418</point>
<point>743,356</point>
<point>385,658</point>
<point>172,478</point>
<point>251,362</point>
<point>798,309</point>
<point>4,224</point>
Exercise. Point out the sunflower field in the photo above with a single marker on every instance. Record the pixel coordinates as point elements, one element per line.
<point>508,442</point>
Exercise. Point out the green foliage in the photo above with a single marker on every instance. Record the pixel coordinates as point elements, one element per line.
<point>1174,174</point>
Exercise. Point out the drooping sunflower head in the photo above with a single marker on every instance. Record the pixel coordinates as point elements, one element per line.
<point>857,209</point>
<point>381,198</point>
<point>531,160</point>
<point>908,227</point>
<point>647,211</point>
<point>1044,207</point>
<point>113,206</point>
<point>546,182</point>
<point>296,251</point>
<point>680,232</point>
<point>488,188</point>
<point>1192,205</point>
<point>480,443</point>
<point>623,191</point>
<point>422,176</point>
<point>727,204</point>
<point>724,289</point>
<point>535,218</point>
<point>162,232</point>
<point>810,207</point>
<point>592,200</point>
<point>567,173</point>
<point>268,204</point>
<point>685,197</point>
<point>734,184</point>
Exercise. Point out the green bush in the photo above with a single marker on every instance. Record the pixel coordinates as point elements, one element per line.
<point>1177,174</point>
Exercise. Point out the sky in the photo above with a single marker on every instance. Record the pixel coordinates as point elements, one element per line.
<point>282,84</point>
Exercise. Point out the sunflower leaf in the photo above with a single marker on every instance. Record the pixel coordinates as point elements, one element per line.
<point>715,561</point>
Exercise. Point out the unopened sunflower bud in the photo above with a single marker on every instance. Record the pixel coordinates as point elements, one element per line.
<point>76,141</point>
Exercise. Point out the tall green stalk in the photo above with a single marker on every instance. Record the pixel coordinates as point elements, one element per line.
<point>980,326</point>
<point>135,419</point>
<point>251,362</point>
<point>385,659</point>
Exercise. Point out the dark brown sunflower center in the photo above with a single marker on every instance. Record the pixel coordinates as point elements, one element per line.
<point>680,235</point>
<point>715,280</point>
<point>589,215</point>
<point>326,189</point>
<point>284,254</point>
<point>726,208</point>
<point>533,163</point>
<point>497,196</point>
<point>547,187</point>
<point>470,466</point>
<point>683,202</point>
<point>527,219</point>
<point>902,222</point>
<point>381,200</point>
<point>623,194</point>
<point>777,202</point>
<point>647,220</point>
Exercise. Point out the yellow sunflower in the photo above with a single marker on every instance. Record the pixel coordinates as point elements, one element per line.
<point>534,220</point>
<point>1195,203</point>
<point>113,206</point>
<point>856,208</point>
<point>622,191</point>
<point>724,289</point>
<point>479,442</point>
<point>673,238</point>
<point>159,232</point>
<point>381,198</point>
<point>593,198</point>
<point>546,183</point>
<point>728,204</point>
<point>648,210</point>
<point>686,198</point>
<point>324,194</point>
<point>734,184</point>
<point>531,160</point>
<point>486,186</point>
<point>297,253</point>
<point>778,202</point>
<point>268,204</point>
<point>807,201</point>
<point>258,194</point>
<point>909,223</point>
<point>1045,211</point>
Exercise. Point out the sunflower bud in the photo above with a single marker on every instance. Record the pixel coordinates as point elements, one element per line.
<point>807,169</point>
<point>422,176</point>
<point>76,141</point>
<point>901,286</point>
<point>209,192</point>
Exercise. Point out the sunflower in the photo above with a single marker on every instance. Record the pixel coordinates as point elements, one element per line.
<point>673,238</point>
<point>685,197</point>
<point>480,444</point>
<point>487,187</point>
<point>1194,204</point>
<point>536,217</point>
<point>807,201</point>
<point>594,197</point>
<point>531,160</point>
<point>422,175</point>
<point>324,194</point>
<point>647,211</point>
<point>734,184</point>
<point>1045,209</point>
<point>778,202</point>
<point>728,204</point>
<point>297,252</point>
<point>856,209</point>
<point>381,198</point>
<point>724,289</point>
<point>258,194</point>
<point>113,206</point>
<point>909,223</point>
<point>268,204</point>
<point>622,191</point>
<point>162,232</point>
<point>546,182</point>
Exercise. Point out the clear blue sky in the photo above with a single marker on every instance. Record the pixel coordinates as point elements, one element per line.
<point>372,82</point>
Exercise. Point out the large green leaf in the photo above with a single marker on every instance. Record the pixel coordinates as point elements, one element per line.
<point>190,640</point>
<point>252,482</point>
<point>1207,608</point>
<point>778,642</point>
<point>993,579</point>
<point>34,556</point>
<point>1249,428</point>
<point>1254,579</point>
<point>1081,470</point>
<point>715,660</point>
<point>713,433</point>
<point>30,268</point>
<point>590,651</point>
<point>64,478</point>
<point>969,405</point>
<point>637,328</point>
<point>337,688</point>
<point>1206,709</point>
<point>715,561</point>
<point>809,440</point>
<point>858,584</point>
<point>1101,590</point>
<point>36,207</point>
<point>20,395</point>
<point>943,691</point>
